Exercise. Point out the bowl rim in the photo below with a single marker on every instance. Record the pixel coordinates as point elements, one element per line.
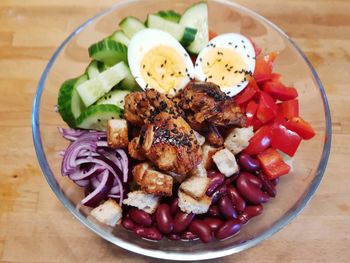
<point>36,134</point>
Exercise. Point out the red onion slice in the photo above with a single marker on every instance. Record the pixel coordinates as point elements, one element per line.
<point>82,183</point>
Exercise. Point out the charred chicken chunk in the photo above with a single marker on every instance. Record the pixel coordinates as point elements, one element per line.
<point>229,114</point>
<point>137,108</point>
<point>170,143</point>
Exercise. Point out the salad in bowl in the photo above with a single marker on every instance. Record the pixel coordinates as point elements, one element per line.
<point>177,132</point>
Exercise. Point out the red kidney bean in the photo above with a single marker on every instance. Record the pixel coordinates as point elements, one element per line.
<point>237,201</point>
<point>267,185</point>
<point>250,212</point>
<point>140,217</point>
<point>249,187</point>
<point>228,229</point>
<point>214,211</point>
<point>216,179</point>
<point>201,229</point>
<point>228,182</point>
<point>164,220</point>
<point>174,206</point>
<point>276,181</point>
<point>128,224</point>
<point>182,221</point>
<point>220,192</point>
<point>213,223</point>
<point>188,235</point>
<point>247,163</point>
<point>174,237</point>
<point>226,207</point>
<point>148,232</point>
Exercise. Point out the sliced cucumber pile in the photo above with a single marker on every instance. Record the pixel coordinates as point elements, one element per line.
<point>119,36</point>
<point>69,103</point>
<point>96,116</point>
<point>169,15</point>
<point>197,17</point>
<point>93,89</point>
<point>114,97</point>
<point>92,70</point>
<point>184,35</point>
<point>131,25</point>
<point>109,52</point>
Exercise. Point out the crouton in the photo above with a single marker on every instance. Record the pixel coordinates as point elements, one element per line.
<point>225,162</point>
<point>195,186</point>
<point>187,204</point>
<point>178,177</point>
<point>238,139</point>
<point>139,170</point>
<point>199,171</point>
<point>109,213</point>
<point>135,150</point>
<point>200,138</point>
<point>143,201</point>
<point>157,183</point>
<point>117,133</point>
<point>207,156</point>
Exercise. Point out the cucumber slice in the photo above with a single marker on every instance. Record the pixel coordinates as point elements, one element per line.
<point>96,116</point>
<point>109,52</point>
<point>131,25</point>
<point>184,35</point>
<point>114,97</point>
<point>169,15</point>
<point>129,83</point>
<point>119,36</point>
<point>92,70</point>
<point>197,17</point>
<point>69,103</point>
<point>93,89</point>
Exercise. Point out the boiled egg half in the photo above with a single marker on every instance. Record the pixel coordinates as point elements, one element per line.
<point>227,60</point>
<point>157,60</point>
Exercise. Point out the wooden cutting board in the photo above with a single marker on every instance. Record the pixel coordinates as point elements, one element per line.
<point>35,227</point>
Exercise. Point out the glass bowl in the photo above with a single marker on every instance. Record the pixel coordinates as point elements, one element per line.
<point>294,190</point>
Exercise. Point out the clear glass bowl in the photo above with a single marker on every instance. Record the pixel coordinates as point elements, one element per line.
<point>295,189</point>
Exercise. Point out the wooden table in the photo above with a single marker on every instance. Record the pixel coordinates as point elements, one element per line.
<point>35,227</point>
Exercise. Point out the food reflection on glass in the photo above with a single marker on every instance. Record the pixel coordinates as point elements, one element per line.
<point>177,132</point>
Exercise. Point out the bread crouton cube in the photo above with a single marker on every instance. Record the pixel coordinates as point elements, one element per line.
<point>135,149</point>
<point>195,186</point>
<point>207,156</point>
<point>226,162</point>
<point>238,139</point>
<point>143,201</point>
<point>157,183</point>
<point>188,204</point>
<point>109,213</point>
<point>117,133</point>
<point>139,170</point>
<point>199,171</point>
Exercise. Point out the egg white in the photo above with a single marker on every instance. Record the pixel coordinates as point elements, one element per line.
<point>147,39</point>
<point>235,42</point>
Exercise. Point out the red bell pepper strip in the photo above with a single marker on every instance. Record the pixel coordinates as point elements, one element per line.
<point>285,140</point>
<point>278,91</point>
<point>272,164</point>
<point>289,108</point>
<point>267,109</point>
<point>248,93</point>
<point>261,79</point>
<point>301,127</point>
<point>264,66</point>
<point>250,112</point>
<point>260,141</point>
<point>256,124</point>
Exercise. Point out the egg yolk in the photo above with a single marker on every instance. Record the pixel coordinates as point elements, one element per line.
<point>224,67</point>
<point>162,68</point>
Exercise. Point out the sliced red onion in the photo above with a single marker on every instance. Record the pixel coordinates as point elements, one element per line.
<point>101,192</point>
<point>114,196</point>
<point>95,183</point>
<point>79,174</point>
<point>82,183</point>
<point>125,164</point>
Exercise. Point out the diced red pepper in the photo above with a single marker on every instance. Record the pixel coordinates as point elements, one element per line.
<point>260,141</point>
<point>278,91</point>
<point>212,34</point>
<point>250,112</point>
<point>285,140</point>
<point>301,127</point>
<point>272,164</point>
<point>248,93</point>
<point>261,79</point>
<point>264,66</point>
<point>256,124</point>
<point>267,109</point>
<point>289,108</point>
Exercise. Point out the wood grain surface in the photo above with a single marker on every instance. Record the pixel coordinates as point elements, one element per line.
<point>35,227</point>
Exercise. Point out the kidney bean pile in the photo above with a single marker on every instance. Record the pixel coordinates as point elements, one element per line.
<point>235,201</point>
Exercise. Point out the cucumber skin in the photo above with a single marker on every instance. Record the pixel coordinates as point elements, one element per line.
<point>64,105</point>
<point>115,111</point>
<point>188,36</point>
<point>169,15</point>
<point>109,45</point>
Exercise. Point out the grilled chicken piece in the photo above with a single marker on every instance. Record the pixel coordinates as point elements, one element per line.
<point>169,142</point>
<point>137,108</point>
<point>204,101</point>
<point>135,150</point>
<point>214,137</point>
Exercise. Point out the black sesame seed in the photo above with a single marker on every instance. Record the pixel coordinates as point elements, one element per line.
<point>236,46</point>
<point>236,71</point>
<point>143,66</point>
<point>163,76</point>
<point>149,74</point>
<point>210,77</point>
<point>242,41</point>
<point>162,65</point>
<point>179,72</point>
<point>223,77</point>
<point>200,59</point>
<point>230,43</point>
<point>110,96</point>
<point>165,62</point>
<point>219,60</point>
<point>172,74</point>
<point>146,86</point>
<point>208,63</point>
<point>205,79</point>
<point>112,118</point>
<point>121,101</point>
<point>244,46</point>
<point>196,64</point>
<point>98,120</point>
<point>248,56</point>
<point>226,65</point>
<point>186,70</point>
